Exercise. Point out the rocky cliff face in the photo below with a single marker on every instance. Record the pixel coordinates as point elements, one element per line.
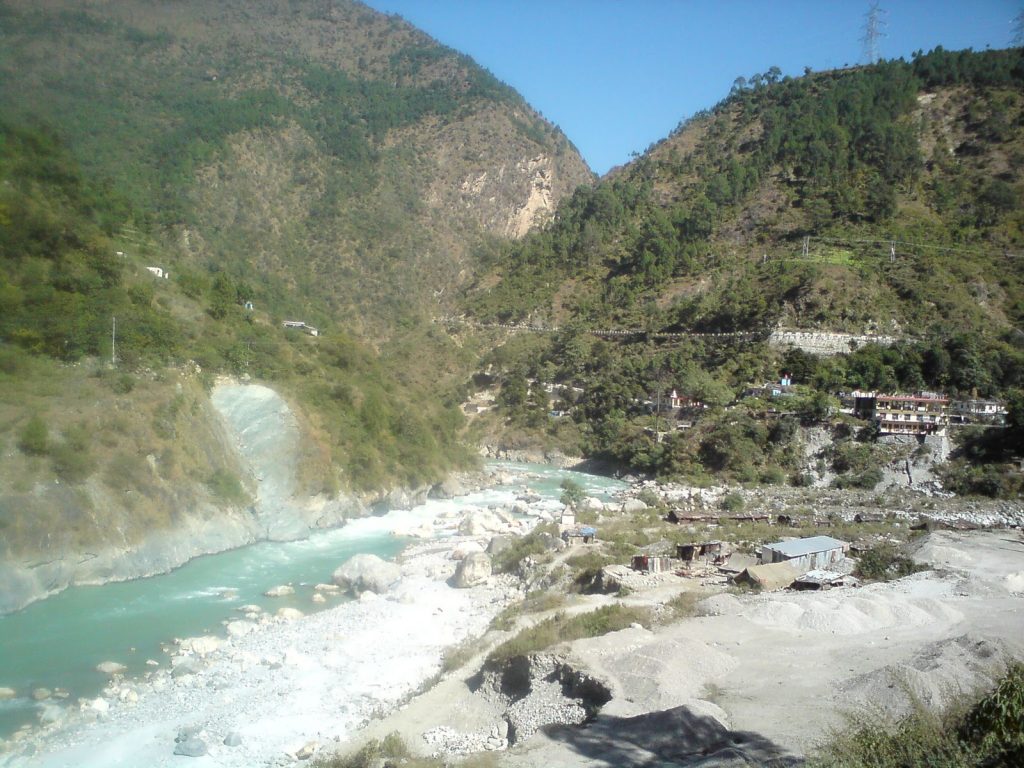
<point>154,526</point>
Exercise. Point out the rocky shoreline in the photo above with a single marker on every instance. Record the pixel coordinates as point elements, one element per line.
<point>332,671</point>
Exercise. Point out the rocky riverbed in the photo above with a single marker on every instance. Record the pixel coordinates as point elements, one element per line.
<point>276,686</point>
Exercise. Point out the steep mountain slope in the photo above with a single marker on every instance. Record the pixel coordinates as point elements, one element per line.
<point>115,460</point>
<point>876,200</point>
<point>336,160</point>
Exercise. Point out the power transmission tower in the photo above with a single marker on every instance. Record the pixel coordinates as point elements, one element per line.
<point>874,25</point>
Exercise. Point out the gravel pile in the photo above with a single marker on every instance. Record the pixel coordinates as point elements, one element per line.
<point>448,742</point>
<point>545,705</point>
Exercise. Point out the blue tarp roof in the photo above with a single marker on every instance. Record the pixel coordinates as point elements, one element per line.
<point>801,547</point>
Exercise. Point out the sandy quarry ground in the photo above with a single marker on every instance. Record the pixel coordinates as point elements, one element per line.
<point>766,676</point>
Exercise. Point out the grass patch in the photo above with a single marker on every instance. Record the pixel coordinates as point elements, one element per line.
<point>564,628</point>
<point>682,606</point>
<point>986,732</point>
<point>535,602</point>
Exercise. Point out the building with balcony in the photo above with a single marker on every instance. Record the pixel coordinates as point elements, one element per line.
<point>922,413</point>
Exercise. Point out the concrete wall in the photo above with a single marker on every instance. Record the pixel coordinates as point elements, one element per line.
<point>822,343</point>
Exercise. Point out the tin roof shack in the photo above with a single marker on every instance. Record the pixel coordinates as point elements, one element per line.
<point>825,580</point>
<point>805,554</point>
<point>710,550</point>
<point>768,578</point>
<point>583,535</point>
<point>652,563</point>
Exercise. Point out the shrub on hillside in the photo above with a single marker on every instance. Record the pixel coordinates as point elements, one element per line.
<point>886,562</point>
<point>534,543</point>
<point>35,437</point>
<point>226,487</point>
<point>986,734</point>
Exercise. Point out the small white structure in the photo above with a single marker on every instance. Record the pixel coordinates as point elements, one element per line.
<point>159,272</point>
<point>302,326</point>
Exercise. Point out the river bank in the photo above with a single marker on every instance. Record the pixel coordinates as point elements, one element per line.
<point>329,671</point>
<point>290,683</point>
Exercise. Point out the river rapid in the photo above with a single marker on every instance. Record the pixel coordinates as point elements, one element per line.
<point>56,644</point>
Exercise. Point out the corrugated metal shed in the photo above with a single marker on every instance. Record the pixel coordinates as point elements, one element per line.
<point>801,547</point>
<point>805,554</point>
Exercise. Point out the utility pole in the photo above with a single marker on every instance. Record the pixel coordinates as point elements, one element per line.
<point>657,410</point>
<point>807,246</point>
<point>113,344</point>
<point>874,25</point>
<point>892,252</point>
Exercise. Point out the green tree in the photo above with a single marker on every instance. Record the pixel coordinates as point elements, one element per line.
<point>222,297</point>
<point>572,493</point>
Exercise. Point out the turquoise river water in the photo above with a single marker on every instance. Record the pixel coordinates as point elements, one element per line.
<point>56,643</point>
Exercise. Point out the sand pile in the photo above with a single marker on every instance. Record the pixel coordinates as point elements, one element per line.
<point>940,674</point>
<point>870,609</point>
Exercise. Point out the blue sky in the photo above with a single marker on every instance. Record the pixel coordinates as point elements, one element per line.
<point>619,75</point>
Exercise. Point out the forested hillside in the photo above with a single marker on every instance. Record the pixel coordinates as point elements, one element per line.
<point>309,161</point>
<point>64,278</point>
<point>874,200</point>
<point>336,161</point>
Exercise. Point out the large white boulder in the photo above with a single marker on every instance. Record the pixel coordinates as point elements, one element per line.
<point>629,506</point>
<point>240,628</point>
<point>473,570</point>
<point>480,522</point>
<point>201,645</point>
<point>280,591</point>
<point>367,572</point>
<point>111,668</point>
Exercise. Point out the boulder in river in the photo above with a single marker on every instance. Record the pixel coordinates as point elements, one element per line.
<point>240,628</point>
<point>448,488</point>
<point>201,645</point>
<point>280,591</point>
<point>7,693</point>
<point>481,522</point>
<point>111,668</point>
<point>367,572</point>
<point>474,569</point>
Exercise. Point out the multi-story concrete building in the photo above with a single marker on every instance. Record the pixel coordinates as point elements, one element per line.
<point>922,413</point>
